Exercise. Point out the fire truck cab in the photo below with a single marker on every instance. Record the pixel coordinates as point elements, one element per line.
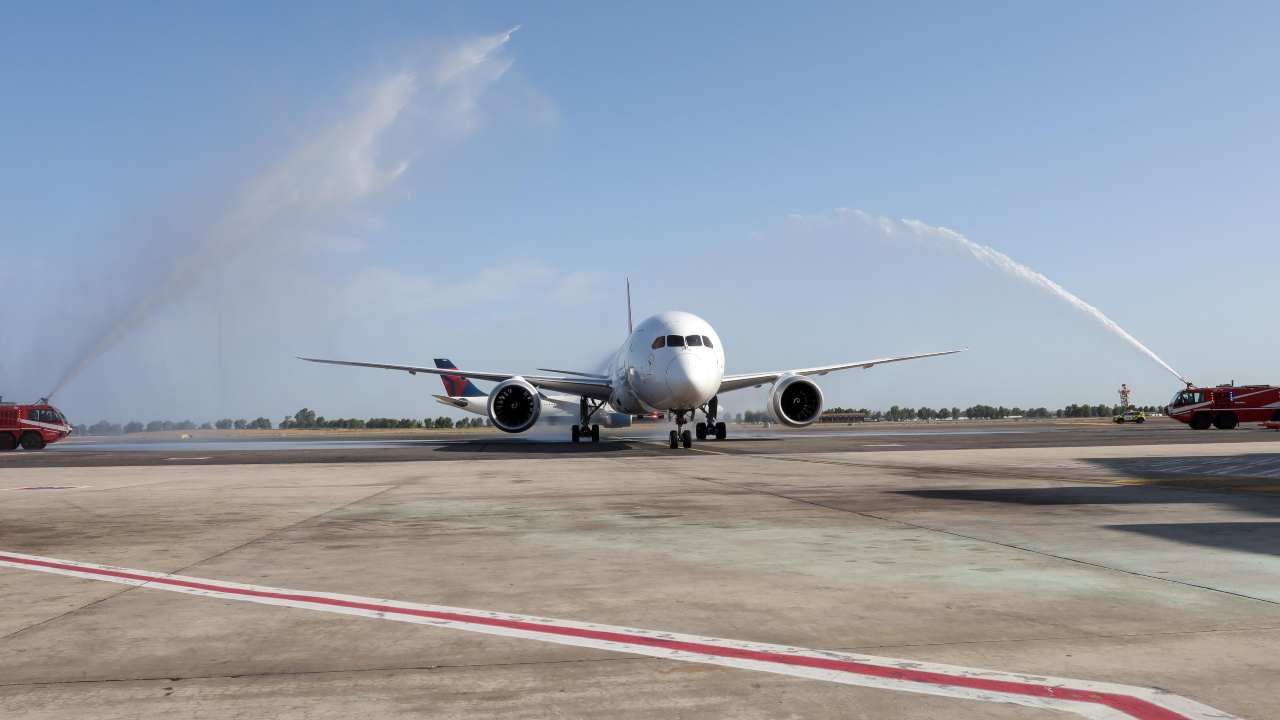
<point>31,426</point>
<point>1225,406</point>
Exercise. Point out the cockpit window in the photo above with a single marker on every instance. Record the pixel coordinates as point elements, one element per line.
<point>675,341</point>
<point>659,341</point>
<point>693,341</point>
<point>707,341</point>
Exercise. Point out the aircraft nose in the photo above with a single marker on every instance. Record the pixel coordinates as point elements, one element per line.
<point>690,380</point>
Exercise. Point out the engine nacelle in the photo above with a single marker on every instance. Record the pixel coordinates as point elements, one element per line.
<point>514,405</point>
<point>795,401</point>
<point>614,419</point>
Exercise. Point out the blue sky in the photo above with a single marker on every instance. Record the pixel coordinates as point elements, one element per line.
<point>1129,153</point>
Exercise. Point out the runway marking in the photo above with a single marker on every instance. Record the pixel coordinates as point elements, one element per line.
<point>1094,700</point>
<point>206,457</point>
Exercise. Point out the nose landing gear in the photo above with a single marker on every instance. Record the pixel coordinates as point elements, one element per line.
<point>711,428</point>
<point>680,436</point>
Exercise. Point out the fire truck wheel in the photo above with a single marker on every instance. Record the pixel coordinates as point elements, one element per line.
<point>1226,421</point>
<point>8,441</point>
<point>32,441</point>
<point>1201,421</point>
<point>1275,416</point>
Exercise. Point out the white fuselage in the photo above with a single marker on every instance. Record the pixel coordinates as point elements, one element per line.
<point>676,373</point>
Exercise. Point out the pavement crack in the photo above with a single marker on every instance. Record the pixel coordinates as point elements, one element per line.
<point>333,671</point>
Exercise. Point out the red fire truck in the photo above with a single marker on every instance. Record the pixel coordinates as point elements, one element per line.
<point>31,426</point>
<point>1225,406</point>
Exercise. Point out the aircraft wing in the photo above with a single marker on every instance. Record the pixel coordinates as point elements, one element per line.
<point>737,382</point>
<point>568,405</point>
<point>594,388</point>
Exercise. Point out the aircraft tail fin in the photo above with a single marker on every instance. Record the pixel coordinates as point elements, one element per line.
<point>456,385</point>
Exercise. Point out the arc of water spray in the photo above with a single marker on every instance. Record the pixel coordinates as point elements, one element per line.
<point>321,181</point>
<point>993,258</point>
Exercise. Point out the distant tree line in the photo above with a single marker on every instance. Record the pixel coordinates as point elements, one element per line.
<point>973,412</point>
<point>306,418</point>
<point>303,419</point>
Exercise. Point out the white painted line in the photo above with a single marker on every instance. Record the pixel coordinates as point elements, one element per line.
<point>184,459</point>
<point>1094,700</point>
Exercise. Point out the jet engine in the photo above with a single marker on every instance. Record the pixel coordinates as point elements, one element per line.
<point>514,405</point>
<point>795,401</point>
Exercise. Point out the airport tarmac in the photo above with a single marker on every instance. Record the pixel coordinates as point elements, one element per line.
<point>1053,571</point>
<point>339,446</point>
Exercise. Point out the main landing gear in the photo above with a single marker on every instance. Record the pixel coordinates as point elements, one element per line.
<point>585,411</point>
<point>711,427</point>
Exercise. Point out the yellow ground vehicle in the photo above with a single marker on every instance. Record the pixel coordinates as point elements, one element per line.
<point>1130,415</point>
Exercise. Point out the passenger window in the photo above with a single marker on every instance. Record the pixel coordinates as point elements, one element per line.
<point>707,341</point>
<point>694,341</point>
<point>675,341</point>
<point>659,341</point>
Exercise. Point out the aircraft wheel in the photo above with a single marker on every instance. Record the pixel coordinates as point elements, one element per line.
<point>1201,421</point>
<point>675,441</point>
<point>8,441</point>
<point>595,433</point>
<point>1275,416</point>
<point>32,441</point>
<point>688,439</point>
<point>1226,421</point>
<point>701,430</point>
<point>577,433</point>
<point>721,431</point>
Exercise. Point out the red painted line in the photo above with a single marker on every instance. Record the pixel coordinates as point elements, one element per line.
<point>1132,706</point>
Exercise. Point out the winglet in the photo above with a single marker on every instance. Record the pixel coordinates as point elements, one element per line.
<point>630,327</point>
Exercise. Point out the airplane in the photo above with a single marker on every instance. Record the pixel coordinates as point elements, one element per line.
<point>463,394</point>
<point>672,362</point>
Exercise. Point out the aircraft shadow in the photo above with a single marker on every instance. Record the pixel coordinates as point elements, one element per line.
<point>1068,495</point>
<point>1252,465</point>
<point>1260,538</point>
